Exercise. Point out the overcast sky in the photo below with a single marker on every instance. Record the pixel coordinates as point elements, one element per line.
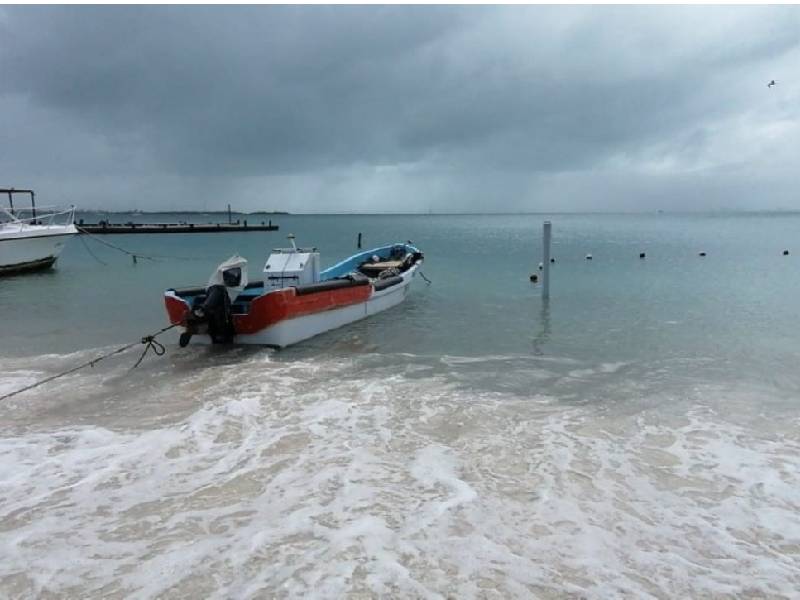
<point>402,109</point>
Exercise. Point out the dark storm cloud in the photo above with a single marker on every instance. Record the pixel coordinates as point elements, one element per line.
<point>254,90</point>
<point>348,108</point>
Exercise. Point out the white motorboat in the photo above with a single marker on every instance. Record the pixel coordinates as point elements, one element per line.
<point>31,238</point>
<point>295,300</point>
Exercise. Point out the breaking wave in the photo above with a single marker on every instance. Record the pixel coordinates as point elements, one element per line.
<point>404,476</point>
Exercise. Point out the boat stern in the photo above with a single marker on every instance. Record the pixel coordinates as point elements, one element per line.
<point>177,308</point>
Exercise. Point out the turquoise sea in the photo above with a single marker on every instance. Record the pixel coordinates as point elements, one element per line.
<point>637,435</point>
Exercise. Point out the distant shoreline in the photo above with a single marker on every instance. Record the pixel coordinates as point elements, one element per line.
<point>180,212</point>
<point>664,213</point>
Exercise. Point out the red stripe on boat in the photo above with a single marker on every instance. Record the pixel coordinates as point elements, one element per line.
<point>285,304</point>
<point>278,306</point>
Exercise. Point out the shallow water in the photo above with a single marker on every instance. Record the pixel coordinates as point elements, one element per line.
<point>636,436</point>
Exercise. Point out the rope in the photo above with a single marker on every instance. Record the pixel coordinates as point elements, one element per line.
<point>92,254</point>
<point>149,341</point>
<point>428,281</point>
<point>134,255</point>
<point>150,344</point>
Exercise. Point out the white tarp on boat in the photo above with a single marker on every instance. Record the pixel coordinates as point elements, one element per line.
<point>231,265</point>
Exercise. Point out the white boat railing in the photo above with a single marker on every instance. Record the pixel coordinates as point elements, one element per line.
<point>42,216</point>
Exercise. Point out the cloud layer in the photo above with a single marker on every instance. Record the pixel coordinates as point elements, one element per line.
<point>330,109</point>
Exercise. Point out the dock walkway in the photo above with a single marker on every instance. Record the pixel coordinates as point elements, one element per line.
<point>103,227</point>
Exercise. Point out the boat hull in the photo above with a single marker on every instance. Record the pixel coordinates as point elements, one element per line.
<point>32,250</point>
<point>293,325</point>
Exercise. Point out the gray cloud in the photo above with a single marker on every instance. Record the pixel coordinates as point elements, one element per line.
<point>366,108</point>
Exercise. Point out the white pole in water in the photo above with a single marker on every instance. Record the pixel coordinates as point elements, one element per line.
<point>546,260</point>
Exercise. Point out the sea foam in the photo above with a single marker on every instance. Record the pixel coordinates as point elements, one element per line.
<point>324,479</point>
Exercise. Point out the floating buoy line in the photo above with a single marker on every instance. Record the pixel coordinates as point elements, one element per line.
<point>534,277</point>
<point>149,341</point>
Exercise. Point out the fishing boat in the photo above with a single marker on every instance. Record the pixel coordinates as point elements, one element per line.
<point>31,238</point>
<point>294,300</point>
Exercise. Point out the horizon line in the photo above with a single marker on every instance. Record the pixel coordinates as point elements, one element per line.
<point>455,213</point>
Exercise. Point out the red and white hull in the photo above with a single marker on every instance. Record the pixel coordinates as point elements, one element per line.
<point>282,317</point>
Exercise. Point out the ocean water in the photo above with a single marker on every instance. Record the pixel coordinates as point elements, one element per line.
<point>636,436</point>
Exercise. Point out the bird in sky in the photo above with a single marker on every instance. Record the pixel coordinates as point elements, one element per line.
<point>771,83</point>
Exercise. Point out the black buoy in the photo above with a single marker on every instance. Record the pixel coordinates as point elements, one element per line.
<point>588,257</point>
<point>534,277</point>
<point>642,254</point>
<point>786,253</point>
<point>541,266</point>
<point>552,260</point>
<point>702,254</point>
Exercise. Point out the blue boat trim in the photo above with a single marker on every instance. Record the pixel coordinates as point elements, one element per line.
<point>351,264</point>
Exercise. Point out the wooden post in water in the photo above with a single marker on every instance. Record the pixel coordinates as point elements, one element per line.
<point>546,231</point>
<point>359,240</point>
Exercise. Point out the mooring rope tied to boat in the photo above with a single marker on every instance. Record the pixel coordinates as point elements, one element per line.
<point>151,344</point>
<point>428,281</point>
<point>149,341</point>
<point>133,255</point>
<point>91,253</point>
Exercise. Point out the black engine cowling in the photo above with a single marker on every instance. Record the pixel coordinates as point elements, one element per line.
<point>211,314</point>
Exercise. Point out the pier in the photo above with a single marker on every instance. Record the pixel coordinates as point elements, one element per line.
<point>105,227</point>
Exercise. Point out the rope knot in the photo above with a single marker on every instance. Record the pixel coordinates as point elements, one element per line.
<point>150,343</point>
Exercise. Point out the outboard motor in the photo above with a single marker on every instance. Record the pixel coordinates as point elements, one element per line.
<point>214,313</point>
<point>211,313</point>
